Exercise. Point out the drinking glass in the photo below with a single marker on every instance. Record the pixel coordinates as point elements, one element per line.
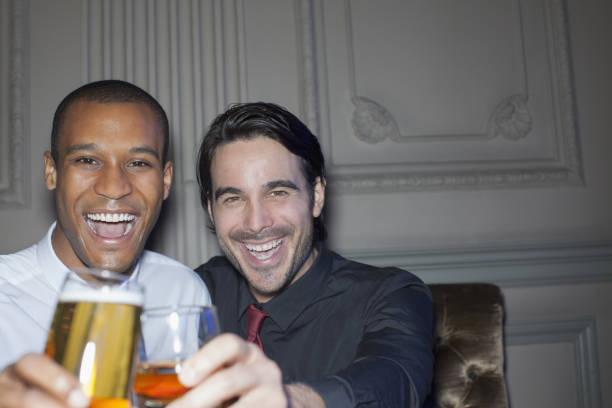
<point>95,332</point>
<point>169,336</point>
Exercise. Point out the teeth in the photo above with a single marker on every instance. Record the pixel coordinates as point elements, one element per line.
<point>108,217</point>
<point>264,247</point>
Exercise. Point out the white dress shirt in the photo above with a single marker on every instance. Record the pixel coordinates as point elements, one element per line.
<point>30,281</point>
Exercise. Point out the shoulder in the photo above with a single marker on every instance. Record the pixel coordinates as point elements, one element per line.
<point>215,268</point>
<point>151,258</point>
<point>385,291</point>
<point>344,269</point>
<point>375,287</point>
<point>16,270</point>
<point>161,273</point>
<point>218,272</point>
<point>14,266</point>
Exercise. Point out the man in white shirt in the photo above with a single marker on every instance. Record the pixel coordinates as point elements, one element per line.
<point>30,282</point>
<point>109,169</point>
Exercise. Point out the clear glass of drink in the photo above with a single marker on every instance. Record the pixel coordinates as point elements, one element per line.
<point>169,335</point>
<point>95,332</point>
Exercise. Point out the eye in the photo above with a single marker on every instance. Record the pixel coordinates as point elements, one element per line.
<point>231,200</point>
<point>86,161</point>
<point>140,163</point>
<point>278,193</point>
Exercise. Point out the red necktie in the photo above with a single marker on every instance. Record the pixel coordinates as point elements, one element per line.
<point>254,318</point>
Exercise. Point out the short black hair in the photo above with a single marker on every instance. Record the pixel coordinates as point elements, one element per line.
<point>251,120</point>
<point>110,91</point>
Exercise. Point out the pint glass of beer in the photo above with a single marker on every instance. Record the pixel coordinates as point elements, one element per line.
<point>95,332</point>
<point>169,335</point>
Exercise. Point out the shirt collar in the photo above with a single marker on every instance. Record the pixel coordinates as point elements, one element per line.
<point>289,304</point>
<point>52,268</point>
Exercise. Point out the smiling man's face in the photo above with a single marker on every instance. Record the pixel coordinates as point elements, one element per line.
<point>263,213</point>
<point>109,183</point>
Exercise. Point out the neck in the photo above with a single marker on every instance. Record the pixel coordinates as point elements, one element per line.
<point>62,248</point>
<point>66,254</point>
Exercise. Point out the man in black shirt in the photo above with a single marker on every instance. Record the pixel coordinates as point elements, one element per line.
<point>343,334</point>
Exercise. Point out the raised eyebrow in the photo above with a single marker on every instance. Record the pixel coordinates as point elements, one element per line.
<point>282,183</point>
<point>226,190</point>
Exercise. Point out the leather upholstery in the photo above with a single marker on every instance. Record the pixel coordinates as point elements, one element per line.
<point>469,367</point>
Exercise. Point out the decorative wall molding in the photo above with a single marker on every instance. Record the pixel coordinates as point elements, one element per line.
<point>582,334</point>
<point>511,120</point>
<point>14,174</point>
<point>373,123</point>
<point>371,120</point>
<point>189,55</point>
<point>507,266</point>
<point>308,55</point>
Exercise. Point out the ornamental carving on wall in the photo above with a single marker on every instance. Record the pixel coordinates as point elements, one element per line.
<point>510,119</point>
<point>373,123</point>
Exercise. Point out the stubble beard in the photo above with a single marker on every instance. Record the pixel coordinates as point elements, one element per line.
<point>273,284</point>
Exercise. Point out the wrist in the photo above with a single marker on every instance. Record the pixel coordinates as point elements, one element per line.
<point>300,395</point>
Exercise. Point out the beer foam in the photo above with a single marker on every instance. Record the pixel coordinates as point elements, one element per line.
<point>102,296</point>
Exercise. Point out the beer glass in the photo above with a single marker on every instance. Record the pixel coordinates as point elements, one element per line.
<point>169,336</point>
<point>95,332</point>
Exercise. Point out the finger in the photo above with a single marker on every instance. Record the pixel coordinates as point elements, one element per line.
<point>257,375</point>
<point>16,392</point>
<point>27,398</point>
<point>11,389</point>
<point>41,372</point>
<point>223,350</point>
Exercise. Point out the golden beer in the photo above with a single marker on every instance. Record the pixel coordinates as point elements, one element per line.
<point>95,336</point>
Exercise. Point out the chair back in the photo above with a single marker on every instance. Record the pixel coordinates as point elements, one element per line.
<point>469,350</point>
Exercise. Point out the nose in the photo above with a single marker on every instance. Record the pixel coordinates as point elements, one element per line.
<point>113,182</point>
<point>258,217</point>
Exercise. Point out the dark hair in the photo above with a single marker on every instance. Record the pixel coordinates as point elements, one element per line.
<point>109,91</point>
<point>250,120</point>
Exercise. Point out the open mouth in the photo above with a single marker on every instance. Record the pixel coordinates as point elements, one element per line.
<point>264,251</point>
<point>110,225</point>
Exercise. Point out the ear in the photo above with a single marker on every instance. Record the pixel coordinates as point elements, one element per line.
<point>319,197</point>
<point>49,171</point>
<point>210,211</point>
<point>168,172</point>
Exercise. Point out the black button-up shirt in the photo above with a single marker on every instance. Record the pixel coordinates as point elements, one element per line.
<point>358,335</point>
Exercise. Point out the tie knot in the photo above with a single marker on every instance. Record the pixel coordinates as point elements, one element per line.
<point>254,317</point>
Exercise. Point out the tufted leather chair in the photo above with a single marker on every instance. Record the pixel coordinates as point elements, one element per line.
<point>469,350</point>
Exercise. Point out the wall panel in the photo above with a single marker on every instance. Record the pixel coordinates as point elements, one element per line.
<point>14,139</point>
<point>566,347</point>
<point>471,94</point>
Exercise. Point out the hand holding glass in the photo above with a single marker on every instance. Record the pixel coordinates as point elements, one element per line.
<point>95,332</point>
<point>169,336</point>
